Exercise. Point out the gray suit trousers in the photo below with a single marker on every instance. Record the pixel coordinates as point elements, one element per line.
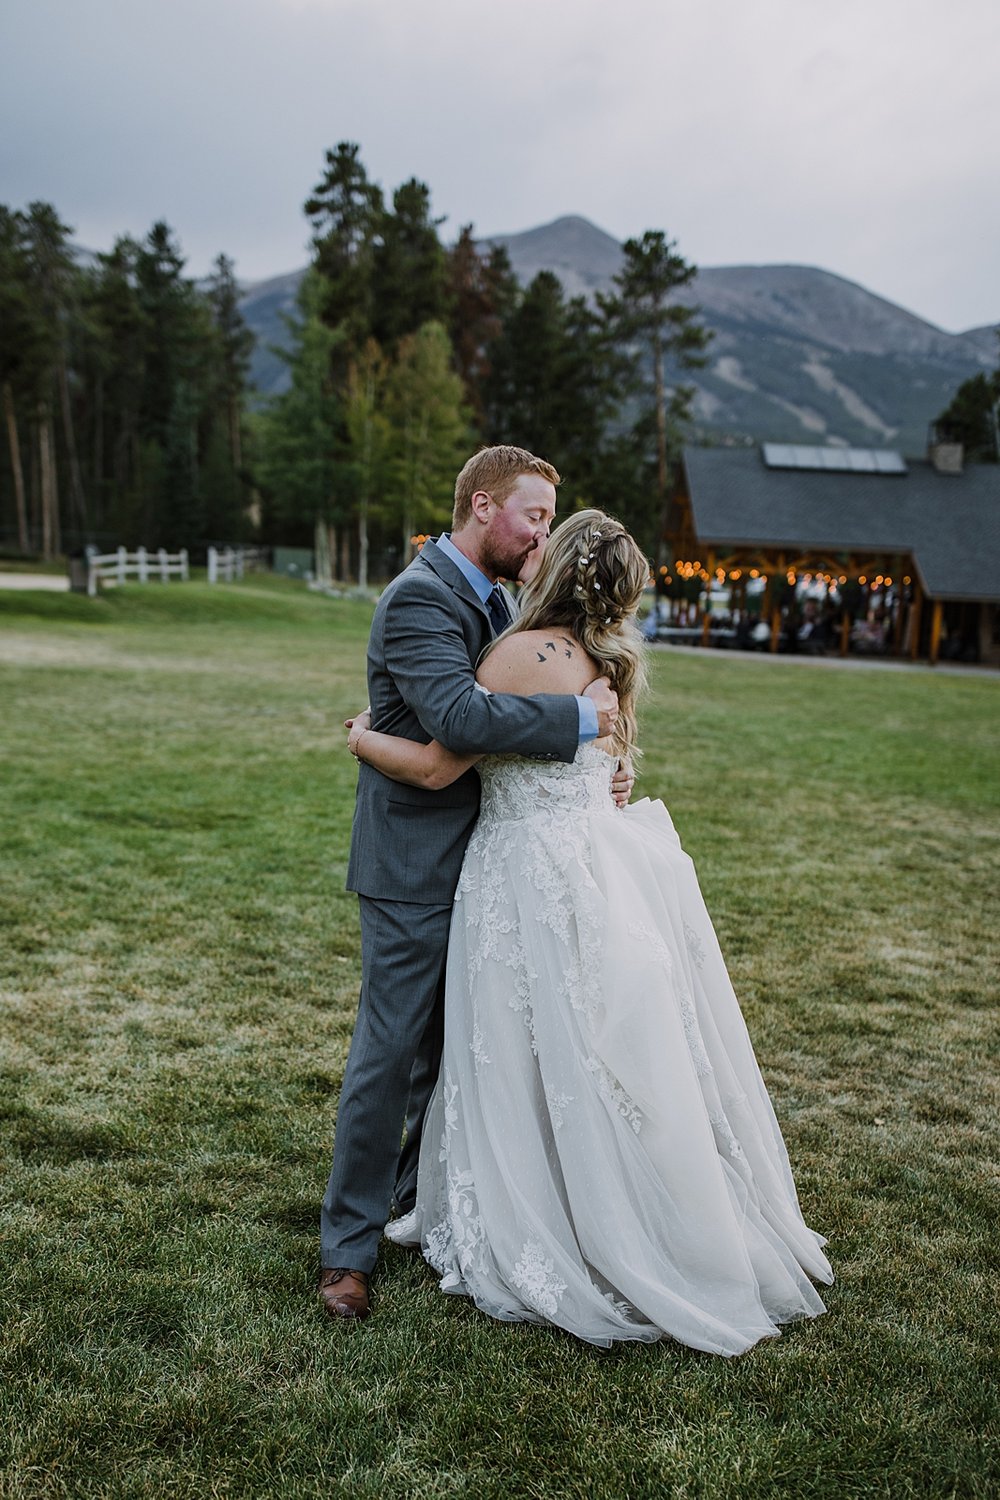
<point>391,1071</point>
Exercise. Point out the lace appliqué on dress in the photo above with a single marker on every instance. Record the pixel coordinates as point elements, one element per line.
<point>557,1105</point>
<point>456,1241</point>
<point>720,1123</point>
<point>536,813</point>
<point>534,1277</point>
<point>695,946</point>
<point>478,1048</point>
<point>612,1093</point>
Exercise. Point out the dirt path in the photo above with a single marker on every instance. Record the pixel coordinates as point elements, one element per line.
<point>54,582</point>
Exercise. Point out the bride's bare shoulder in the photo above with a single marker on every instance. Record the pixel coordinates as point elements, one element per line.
<point>537,661</point>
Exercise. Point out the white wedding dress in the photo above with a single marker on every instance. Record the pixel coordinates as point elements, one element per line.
<point>600,1151</point>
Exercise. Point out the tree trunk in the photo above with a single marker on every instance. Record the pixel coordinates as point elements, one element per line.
<point>54,487</point>
<point>661,440</point>
<point>78,503</point>
<point>97,460</point>
<point>363,544</point>
<point>47,477</point>
<point>235,435</point>
<point>15,463</point>
<point>35,488</point>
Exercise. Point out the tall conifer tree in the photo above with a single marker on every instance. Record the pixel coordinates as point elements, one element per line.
<point>644,313</point>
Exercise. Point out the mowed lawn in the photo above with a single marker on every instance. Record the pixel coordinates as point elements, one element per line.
<point>179,971</point>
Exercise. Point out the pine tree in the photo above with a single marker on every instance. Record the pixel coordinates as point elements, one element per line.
<point>645,314</point>
<point>116,337</point>
<point>52,273</point>
<point>346,212</point>
<point>179,345</point>
<point>299,469</point>
<point>234,344</point>
<point>19,336</point>
<point>430,430</point>
<point>369,434</point>
<point>473,319</point>
<point>972,418</point>
<point>556,385</point>
<point>408,267</point>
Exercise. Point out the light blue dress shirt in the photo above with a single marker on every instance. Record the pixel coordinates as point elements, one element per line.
<point>483,587</point>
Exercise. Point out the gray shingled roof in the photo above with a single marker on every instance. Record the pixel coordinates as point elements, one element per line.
<point>949,523</point>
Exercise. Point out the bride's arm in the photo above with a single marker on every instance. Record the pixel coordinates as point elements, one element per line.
<point>429,766</point>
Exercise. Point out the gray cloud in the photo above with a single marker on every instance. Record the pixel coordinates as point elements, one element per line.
<point>861,138</point>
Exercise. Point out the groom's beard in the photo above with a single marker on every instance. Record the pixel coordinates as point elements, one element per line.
<point>504,563</point>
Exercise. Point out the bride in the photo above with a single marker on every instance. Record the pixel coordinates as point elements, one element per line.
<point>600,1152</point>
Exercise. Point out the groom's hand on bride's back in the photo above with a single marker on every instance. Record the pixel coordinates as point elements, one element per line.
<point>605,700</point>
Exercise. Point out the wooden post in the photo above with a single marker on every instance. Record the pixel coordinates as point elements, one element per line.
<point>142,559</point>
<point>164,565</point>
<point>936,621</point>
<point>213,565</point>
<point>775,603</point>
<point>706,624</point>
<point>898,590</point>
<point>185,571</point>
<point>122,564</point>
<point>845,633</point>
<point>913,623</point>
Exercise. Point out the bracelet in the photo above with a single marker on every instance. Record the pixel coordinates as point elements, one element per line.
<point>354,752</point>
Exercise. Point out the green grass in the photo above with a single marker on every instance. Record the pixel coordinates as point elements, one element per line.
<point>178,975</point>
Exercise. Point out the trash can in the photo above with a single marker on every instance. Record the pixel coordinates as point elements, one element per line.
<point>79,571</point>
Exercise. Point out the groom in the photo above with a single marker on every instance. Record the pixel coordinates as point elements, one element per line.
<point>429,629</point>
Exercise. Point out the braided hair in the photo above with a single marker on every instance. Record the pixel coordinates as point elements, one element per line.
<point>590,583</point>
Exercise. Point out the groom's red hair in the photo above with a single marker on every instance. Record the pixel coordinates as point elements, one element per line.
<point>495,470</point>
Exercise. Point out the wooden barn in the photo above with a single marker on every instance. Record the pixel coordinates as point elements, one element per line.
<point>919,538</point>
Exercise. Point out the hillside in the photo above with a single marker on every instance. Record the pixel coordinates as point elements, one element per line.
<point>799,354</point>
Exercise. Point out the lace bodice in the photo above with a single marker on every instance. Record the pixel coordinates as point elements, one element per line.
<point>514,788</point>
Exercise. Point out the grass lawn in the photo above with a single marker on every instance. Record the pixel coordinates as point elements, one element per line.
<point>179,969</point>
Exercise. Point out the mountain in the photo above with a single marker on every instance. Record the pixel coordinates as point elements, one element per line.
<point>266,305</point>
<point>799,354</point>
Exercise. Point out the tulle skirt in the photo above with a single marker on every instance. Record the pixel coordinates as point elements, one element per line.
<point>600,1152</point>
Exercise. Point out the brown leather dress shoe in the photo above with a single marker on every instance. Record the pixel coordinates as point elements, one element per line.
<point>344,1293</point>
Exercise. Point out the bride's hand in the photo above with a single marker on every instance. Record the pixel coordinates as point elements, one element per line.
<point>357,727</point>
<point>622,783</point>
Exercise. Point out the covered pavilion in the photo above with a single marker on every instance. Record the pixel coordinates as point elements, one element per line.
<point>919,538</point>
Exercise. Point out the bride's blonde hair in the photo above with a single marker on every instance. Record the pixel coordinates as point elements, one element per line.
<point>590,583</point>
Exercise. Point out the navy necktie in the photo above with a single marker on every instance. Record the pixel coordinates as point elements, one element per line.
<point>498,611</point>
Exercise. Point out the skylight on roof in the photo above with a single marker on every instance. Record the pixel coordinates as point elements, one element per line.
<point>834,460</point>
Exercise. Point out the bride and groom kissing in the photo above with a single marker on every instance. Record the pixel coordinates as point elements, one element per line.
<point>545,1019</point>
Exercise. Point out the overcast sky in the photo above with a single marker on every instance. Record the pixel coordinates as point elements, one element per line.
<point>862,136</point>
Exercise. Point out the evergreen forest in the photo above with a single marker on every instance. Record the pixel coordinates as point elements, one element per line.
<point>128,419</point>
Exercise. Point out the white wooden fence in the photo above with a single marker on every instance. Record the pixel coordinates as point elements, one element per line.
<point>228,563</point>
<point>120,565</point>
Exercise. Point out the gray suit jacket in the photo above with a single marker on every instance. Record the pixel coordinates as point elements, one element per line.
<point>427,634</point>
